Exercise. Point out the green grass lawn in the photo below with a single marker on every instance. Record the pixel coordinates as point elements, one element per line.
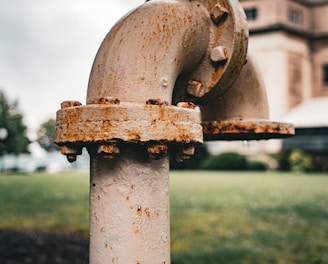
<point>216,217</point>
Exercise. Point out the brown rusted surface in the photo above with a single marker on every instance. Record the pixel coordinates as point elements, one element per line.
<point>71,151</point>
<point>67,104</point>
<point>230,31</point>
<point>246,130</point>
<point>108,100</point>
<point>128,122</point>
<point>108,151</point>
<point>219,13</point>
<point>157,150</point>
<point>189,105</point>
<point>156,102</point>
<point>182,153</point>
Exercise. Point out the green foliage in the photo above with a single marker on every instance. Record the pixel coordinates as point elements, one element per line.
<point>11,121</point>
<point>297,161</point>
<point>300,161</point>
<point>46,135</point>
<point>256,165</point>
<point>225,161</point>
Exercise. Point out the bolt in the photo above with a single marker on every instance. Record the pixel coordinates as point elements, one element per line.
<point>156,102</point>
<point>109,101</point>
<point>71,152</point>
<point>67,104</point>
<point>157,150</point>
<point>195,88</point>
<point>189,105</point>
<point>218,54</point>
<point>108,151</point>
<point>164,81</point>
<point>219,14</point>
<point>185,153</point>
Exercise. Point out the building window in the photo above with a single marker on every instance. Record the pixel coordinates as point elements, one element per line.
<point>325,74</point>
<point>251,13</point>
<point>295,16</point>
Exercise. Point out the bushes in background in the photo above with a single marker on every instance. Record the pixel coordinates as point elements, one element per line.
<point>231,161</point>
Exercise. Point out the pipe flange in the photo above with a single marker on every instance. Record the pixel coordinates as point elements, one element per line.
<point>128,122</point>
<point>226,53</point>
<point>252,129</point>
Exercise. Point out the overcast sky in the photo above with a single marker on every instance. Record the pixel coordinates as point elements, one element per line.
<point>47,48</point>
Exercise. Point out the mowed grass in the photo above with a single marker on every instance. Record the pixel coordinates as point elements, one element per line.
<point>45,201</point>
<point>216,217</point>
<point>249,218</point>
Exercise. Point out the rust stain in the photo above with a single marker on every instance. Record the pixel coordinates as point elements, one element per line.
<point>246,130</point>
<point>147,212</point>
<point>139,210</point>
<point>189,105</point>
<point>156,102</point>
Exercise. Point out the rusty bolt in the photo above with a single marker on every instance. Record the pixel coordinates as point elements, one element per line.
<point>108,151</point>
<point>156,102</point>
<point>157,150</point>
<point>219,14</point>
<point>189,105</point>
<point>218,54</point>
<point>67,104</point>
<point>195,88</point>
<point>185,153</point>
<point>71,152</point>
<point>109,101</point>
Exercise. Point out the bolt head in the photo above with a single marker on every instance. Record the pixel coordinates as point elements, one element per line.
<point>157,151</point>
<point>219,13</point>
<point>185,153</point>
<point>195,88</point>
<point>71,158</point>
<point>108,101</point>
<point>108,151</point>
<point>67,104</point>
<point>71,151</point>
<point>189,105</point>
<point>218,54</point>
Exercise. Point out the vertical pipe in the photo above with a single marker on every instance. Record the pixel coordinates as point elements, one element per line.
<point>129,208</point>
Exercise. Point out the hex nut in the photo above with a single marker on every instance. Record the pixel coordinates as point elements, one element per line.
<point>108,151</point>
<point>71,152</point>
<point>157,150</point>
<point>67,104</point>
<point>195,88</point>
<point>189,105</point>
<point>219,14</point>
<point>109,101</point>
<point>218,54</point>
<point>185,153</point>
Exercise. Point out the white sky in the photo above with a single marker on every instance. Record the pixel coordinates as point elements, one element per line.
<point>47,49</point>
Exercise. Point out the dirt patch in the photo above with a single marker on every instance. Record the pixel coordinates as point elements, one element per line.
<point>34,246</point>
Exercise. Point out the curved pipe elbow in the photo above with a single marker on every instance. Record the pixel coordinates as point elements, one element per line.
<point>246,98</point>
<point>146,51</point>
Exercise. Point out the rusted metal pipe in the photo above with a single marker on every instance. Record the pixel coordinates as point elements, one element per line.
<point>242,113</point>
<point>150,68</point>
<point>129,208</point>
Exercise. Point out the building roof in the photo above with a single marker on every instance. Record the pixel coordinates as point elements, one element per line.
<point>310,113</point>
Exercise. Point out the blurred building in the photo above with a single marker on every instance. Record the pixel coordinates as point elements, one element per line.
<point>290,41</point>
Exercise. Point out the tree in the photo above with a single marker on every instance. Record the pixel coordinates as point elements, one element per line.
<point>46,135</point>
<point>13,139</point>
